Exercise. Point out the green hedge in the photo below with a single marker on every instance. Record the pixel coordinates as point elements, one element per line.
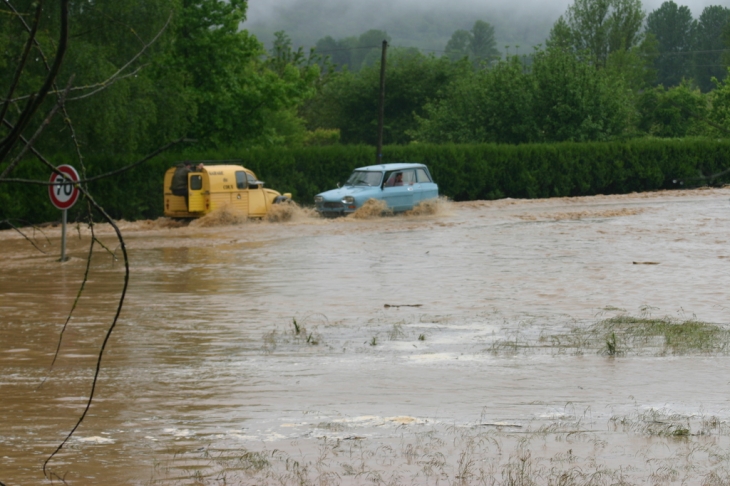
<point>463,172</point>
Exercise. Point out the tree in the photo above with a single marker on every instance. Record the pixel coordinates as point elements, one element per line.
<point>554,97</point>
<point>672,112</point>
<point>349,101</point>
<point>369,49</point>
<point>458,46</point>
<point>672,27</point>
<point>113,103</point>
<point>709,46</point>
<point>482,45</point>
<point>282,125</point>
<point>493,105</point>
<point>576,102</point>
<point>337,51</point>
<point>598,28</point>
<point>726,40</point>
<point>217,65</point>
<point>719,112</point>
<point>353,52</point>
<point>478,44</point>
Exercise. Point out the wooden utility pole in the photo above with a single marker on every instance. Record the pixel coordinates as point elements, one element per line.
<point>379,151</point>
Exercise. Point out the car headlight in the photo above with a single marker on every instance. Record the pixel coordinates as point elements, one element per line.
<point>348,200</point>
<point>318,199</point>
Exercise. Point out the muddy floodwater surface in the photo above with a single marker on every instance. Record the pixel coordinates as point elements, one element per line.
<point>556,341</point>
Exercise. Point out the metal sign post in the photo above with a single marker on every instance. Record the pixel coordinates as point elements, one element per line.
<point>64,192</point>
<point>64,216</point>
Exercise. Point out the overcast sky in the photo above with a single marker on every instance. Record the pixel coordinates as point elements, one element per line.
<point>426,24</point>
<point>268,10</point>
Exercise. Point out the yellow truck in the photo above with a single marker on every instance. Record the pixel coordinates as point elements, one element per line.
<point>210,186</point>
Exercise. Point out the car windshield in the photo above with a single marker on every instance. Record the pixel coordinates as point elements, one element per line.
<point>364,178</point>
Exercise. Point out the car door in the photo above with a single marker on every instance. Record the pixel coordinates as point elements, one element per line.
<point>424,188</point>
<point>398,189</point>
<point>256,197</point>
<point>196,197</point>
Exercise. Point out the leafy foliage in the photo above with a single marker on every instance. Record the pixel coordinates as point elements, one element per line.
<point>709,46</point>
<point>719,113</point>
<point>672,27</point>
<point>354,53</point>
<point>672,113</point>
<point>463,172</point>
<point>477,45</point>
<point>598,28</point>
<point>555,98</point>
<point>349,102</point>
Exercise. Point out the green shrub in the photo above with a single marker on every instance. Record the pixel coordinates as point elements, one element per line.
<point>463,172</point>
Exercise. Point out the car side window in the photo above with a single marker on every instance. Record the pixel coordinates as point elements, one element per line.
<point>252,182</point>
<point>390,179</point>
<point>240,180</point>
<point>400,178</point>
<point>422,175</point>
<point>409,177</point>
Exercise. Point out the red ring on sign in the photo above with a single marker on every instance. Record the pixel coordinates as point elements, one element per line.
<point>63,196</point>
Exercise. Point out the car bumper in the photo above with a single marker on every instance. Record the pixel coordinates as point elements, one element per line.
<point>334,209</point>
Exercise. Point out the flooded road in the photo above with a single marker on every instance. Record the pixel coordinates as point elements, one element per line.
<point>488,342</point>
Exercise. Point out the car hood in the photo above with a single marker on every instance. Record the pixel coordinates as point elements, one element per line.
<point>338,194</point>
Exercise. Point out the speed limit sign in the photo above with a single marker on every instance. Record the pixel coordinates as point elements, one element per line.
<point>63,191</point>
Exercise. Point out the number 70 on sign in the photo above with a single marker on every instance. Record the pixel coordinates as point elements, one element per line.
<point>63,190</point>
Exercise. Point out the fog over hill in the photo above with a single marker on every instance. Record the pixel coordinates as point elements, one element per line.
<point>426,24</point>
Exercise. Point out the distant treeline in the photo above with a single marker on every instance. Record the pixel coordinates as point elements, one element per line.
<point>463,172</point>
<point>677,46</point>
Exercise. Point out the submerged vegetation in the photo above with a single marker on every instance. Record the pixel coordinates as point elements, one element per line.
<point>626,335</point>
<point>619,336</point>
<point>570,452</point>
<point>666,336</point>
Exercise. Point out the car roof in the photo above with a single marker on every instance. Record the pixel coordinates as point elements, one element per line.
<point>392,166</point>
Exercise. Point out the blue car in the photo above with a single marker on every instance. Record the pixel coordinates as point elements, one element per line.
<point>400,185</point>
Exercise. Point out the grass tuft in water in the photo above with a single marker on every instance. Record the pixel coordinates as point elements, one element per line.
<point>671,336</point>
<point>611,348</point>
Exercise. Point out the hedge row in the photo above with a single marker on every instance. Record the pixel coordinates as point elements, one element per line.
<point>463,172</point>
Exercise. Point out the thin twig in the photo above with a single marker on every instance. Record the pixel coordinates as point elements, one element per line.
<point>29,143</point>
<point>35,101</point>
<point>23,59</point>
<point>112,253</point>
<point>12,226</point>
<point>100,86</point>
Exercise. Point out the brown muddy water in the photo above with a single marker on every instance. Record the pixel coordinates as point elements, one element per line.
<point>505,342</point>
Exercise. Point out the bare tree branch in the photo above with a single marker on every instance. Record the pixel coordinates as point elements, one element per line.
<point>117,76</point>
<point>43,125</point>
<point>34,102</point>
<point>23,59</point>
<point>29,240</point>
